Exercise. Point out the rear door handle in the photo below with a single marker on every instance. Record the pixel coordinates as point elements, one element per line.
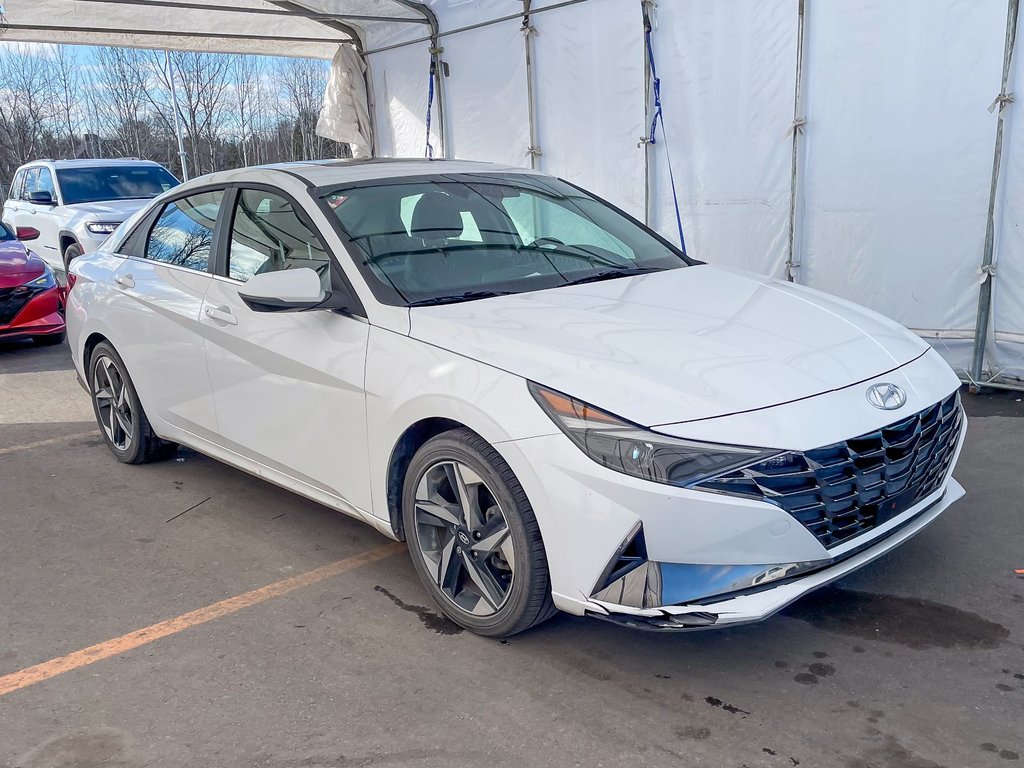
<point>125,281</point>
<point>221,315</point>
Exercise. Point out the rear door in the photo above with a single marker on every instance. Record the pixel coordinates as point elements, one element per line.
<point>288,386</point>
<point>161,286</point>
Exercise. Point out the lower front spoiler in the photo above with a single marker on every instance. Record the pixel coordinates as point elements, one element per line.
<point>758,605</point>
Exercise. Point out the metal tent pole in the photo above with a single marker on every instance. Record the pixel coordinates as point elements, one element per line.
<point>182,155</point>
<point>528,32</point>
<point>647,8</point>
<point>987,268</point>
<point>797,130</point>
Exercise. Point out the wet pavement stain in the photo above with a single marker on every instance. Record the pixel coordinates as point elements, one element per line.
<point>1006,754</point>
<point>431,620</point>
<point>730,708</point>
<point>908,621</point>
<point>693,732</point>
<point>806,678</point>
<point>890,754</point>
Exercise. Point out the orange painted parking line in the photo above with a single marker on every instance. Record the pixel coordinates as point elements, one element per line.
<point>118,645</point>
<point>44,443</point>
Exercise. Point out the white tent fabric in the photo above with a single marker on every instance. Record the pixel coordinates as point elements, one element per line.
<point>894,156</point>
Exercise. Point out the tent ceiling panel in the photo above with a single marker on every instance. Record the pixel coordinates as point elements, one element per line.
<point>183,25</point>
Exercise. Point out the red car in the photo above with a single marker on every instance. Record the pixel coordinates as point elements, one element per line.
<point>31,300</point>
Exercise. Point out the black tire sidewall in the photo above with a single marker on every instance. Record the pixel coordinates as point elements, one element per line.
<point>136,449</point>
<point>71,253</point>
<point>529,569</point>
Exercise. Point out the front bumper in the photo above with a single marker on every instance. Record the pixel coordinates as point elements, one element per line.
<point>724,558</point>
<point>758,603</point>
<point>40,315</point>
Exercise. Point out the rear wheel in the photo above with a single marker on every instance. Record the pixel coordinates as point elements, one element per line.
<point>473,537</point>
<point>119,413</point>
<point>72,252</point>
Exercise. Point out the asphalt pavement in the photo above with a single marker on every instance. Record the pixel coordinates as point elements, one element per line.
<point>281,634</point>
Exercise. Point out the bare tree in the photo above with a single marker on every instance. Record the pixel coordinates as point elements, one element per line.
<point>67,83</point>
<point>301,82</point>
<point>27,104</point>
<point>122,75</point>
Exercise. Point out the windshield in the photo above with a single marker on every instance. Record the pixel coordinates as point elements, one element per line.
<point>438,239</point>
<point>113,182</point>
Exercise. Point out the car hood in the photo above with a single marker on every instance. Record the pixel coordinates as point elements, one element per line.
<point>17,265</point>
<point>679,345</point>
<point>113,211</point>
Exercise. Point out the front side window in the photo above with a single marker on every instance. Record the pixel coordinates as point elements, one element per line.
<point>31,183</point>
<point>434,239</point>
<point>45,183</point>
<point>113,182</point>
<point>183,234</point>
<point>267,235</point>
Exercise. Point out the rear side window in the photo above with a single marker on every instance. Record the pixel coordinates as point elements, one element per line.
<point>267,235</point>
<point>183,233</point>
<point>16,185</point>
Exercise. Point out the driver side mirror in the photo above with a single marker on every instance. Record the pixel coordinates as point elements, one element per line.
<point>41,197</point>
<point>288,290</point>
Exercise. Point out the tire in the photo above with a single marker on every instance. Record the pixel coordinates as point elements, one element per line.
<point>50,340</point>
<point>71,253</point>
<point>486,569</point>
<point>119,414</point>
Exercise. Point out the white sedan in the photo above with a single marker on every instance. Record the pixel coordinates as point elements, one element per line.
<point>550,403</point>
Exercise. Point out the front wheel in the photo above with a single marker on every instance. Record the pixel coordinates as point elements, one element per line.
<point>119,413</point>
<point>72,252</point>
<point>473,537</point>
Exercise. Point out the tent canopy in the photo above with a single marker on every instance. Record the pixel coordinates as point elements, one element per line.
<point>867,149</point>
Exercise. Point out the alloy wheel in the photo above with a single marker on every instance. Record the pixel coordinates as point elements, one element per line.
<point>464,538</point>
<point>113,403</point>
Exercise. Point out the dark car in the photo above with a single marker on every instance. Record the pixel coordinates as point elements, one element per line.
<point>31,299</point>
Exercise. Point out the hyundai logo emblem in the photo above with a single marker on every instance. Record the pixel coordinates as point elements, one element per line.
<point>464,538</point>
<point>886,396</point>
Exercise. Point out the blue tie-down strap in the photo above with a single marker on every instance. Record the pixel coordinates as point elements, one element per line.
<point>659,117</point>
<point>429,152</point>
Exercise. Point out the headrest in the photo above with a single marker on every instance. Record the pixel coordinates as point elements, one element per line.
<point>437,216</point>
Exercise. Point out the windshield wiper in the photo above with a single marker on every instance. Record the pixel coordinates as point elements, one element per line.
<point>457,297</point>
<point>611,274</point>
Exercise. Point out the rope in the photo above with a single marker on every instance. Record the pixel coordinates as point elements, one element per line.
<point>658,117</point>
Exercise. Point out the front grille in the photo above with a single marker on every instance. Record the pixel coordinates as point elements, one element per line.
<point>12,300</point>
<point>842,490</point>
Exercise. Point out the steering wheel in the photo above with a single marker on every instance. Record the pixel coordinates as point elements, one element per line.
<point>540,242</point>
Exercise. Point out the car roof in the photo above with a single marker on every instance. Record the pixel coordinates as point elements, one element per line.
<point>90,163</point>
<point>320,173</point>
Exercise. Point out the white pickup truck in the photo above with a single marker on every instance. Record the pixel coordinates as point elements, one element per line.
<point>68,207</point>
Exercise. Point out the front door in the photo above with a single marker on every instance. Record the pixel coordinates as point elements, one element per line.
<point>288,386</point>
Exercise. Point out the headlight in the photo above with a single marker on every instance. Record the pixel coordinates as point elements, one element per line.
<point>101,227</point>
<point>45,280</point>
<point>633,450</point>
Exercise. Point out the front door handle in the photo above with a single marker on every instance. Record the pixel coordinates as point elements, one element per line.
<point>221,315</point>
<point>125,281</point>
